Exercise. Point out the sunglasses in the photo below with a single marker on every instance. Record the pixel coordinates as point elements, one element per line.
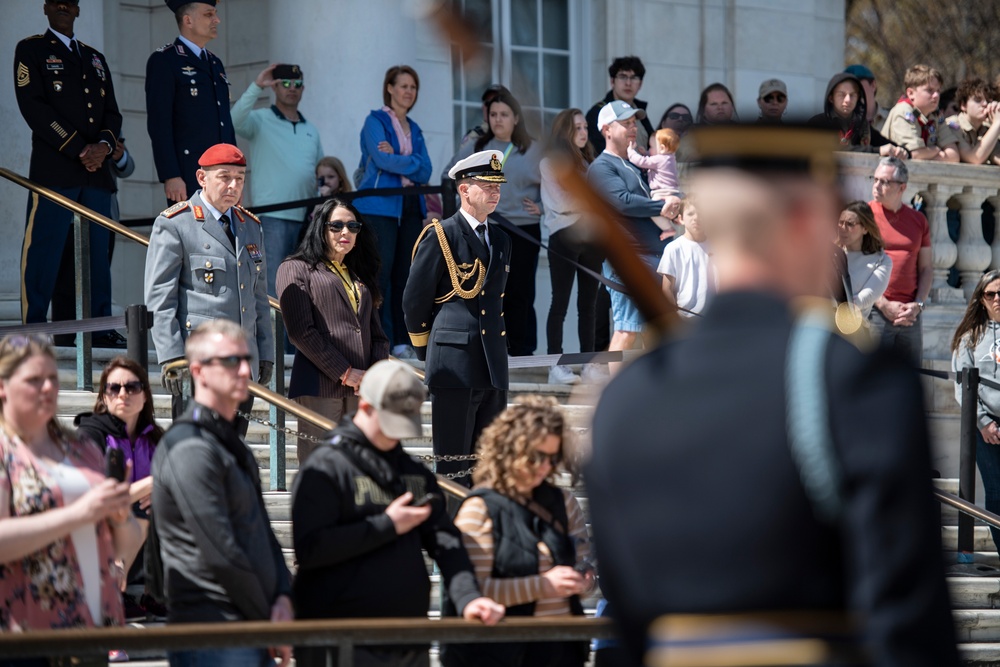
<point>773,98</point>
<point>990,295</point>
<point>231,362</point>
<point>131,388</point>
<point>673,115</point>
<point>537,458</point>
<point>288,83</point>
<point>352,227</point>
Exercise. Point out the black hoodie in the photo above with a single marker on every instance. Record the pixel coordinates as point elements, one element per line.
<point>856,133</point>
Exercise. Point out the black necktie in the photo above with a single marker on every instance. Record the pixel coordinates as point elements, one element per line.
<point>75,48</point>
<point>228,229</point>
<point>204,55</point>
<point>481,230</point>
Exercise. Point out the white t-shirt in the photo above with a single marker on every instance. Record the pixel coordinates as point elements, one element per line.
<point>688,263</point>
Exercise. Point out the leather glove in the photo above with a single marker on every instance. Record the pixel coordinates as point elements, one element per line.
<point>175,375</point>
<point>265,372</point>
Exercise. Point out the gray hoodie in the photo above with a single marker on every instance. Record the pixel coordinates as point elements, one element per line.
<point>986,357</point>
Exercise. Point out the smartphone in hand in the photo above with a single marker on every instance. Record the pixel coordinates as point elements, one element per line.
<point>114,464</point>
<point>420,502</point>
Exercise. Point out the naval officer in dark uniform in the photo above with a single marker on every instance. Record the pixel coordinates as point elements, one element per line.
<point>453,306</point>
<point>65,94</point>
<point>761,465</point>
<point>187,99</point>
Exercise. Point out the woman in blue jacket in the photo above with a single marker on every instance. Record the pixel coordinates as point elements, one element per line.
<point>393,154</point>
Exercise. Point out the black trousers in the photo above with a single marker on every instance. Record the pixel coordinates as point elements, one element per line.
<point>562,274</point>
<point>519,299</point>
<point>458,416</point>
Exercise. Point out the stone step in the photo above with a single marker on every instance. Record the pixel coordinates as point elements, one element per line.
<point>980,654</point>
<point>977,625</point>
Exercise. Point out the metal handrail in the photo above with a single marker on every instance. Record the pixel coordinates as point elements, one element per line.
<point>966,507</point>
<point>344,633</point>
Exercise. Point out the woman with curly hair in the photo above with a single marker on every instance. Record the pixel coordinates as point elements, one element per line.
<point>526,537</point>
<point>976,344</point>
<point>330,298</point>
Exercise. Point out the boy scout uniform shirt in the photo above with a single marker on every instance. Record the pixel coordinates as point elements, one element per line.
<point>193,275</point>
<point>906,126</point>
<point>187,109</point>
<point>958,130</point>
<point>68,101</point>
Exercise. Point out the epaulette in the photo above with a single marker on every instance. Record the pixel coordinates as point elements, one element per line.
<point>38,36</point>
<point>164,47</point>
<point>175,209</point>
<point>250,215</point>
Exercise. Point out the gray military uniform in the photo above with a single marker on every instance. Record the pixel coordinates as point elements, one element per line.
<point>193,276</point>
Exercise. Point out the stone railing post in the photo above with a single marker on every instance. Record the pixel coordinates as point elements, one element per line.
<point>974,256</point>
<point>943,249</point>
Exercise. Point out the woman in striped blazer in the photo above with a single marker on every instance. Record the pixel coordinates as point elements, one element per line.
<point>329,300</point>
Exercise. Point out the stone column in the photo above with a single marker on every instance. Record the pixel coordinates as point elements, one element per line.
<point>974,255</point>
<point>944,250</point>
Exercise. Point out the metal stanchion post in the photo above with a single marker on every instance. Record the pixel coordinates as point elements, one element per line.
<point>967,462</point>
<point>137,324</point>
<point>448,197</point>
<point>81,264</point>
<point>276,416</point>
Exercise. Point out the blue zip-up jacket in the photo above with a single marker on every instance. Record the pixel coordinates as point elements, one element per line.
<point>384,170</point>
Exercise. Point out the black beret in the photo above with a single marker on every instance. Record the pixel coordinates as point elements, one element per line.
<point>177,4</point>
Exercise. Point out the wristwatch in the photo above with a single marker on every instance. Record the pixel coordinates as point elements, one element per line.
<point>920,304</point>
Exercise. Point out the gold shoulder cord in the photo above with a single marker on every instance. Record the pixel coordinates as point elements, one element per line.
<point>457,276</point>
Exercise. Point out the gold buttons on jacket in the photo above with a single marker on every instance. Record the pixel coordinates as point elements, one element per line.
<point>241,285</point>
<point>482,312</point>
<point>484,332</point>
<point>503,333</point>
<point>208,265</point>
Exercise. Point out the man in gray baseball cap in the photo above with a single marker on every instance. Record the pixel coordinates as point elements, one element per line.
<point>362,510</point>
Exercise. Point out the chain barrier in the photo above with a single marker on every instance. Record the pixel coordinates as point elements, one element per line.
<point>425,458</point>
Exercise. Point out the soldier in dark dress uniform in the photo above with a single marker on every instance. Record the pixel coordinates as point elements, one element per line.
<point>65,94</point>
<point>187,99</point>
<point>762,466</point>
<point>453,307</point>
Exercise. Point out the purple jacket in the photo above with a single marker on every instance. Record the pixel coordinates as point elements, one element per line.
<point>108,432</point>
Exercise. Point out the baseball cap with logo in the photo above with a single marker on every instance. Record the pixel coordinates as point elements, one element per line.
<point>617,110</point>
<point>772,86</point>
<point>396,393</point>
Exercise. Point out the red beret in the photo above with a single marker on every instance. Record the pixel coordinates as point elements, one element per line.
<point>222,154</point>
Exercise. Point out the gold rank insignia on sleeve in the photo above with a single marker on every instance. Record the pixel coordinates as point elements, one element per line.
<point>419,339</point>
<point>23,75</point>
<point>59,129</point>
<point>175,209</point>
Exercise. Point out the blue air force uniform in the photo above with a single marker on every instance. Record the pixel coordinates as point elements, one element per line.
<point>187,109</point>
<point>67,98</point>
<point>453,308</point>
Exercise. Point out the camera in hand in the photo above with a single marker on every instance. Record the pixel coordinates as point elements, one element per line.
<point>114,464</point>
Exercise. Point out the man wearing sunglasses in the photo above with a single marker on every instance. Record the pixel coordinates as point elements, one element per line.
<point>66,96</point>
<point>221,560</point>
<point>187,98</point>
<point>772,99</point>
<point>206,261</point>
<point>285,148</point>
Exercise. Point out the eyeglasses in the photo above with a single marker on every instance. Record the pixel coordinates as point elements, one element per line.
<point>131,388</point>
<point>990,295</point>
<point>288,83</point>
<point>882,183</point>
<point>673,115</point>
<point>775,98</point>
<point>352,227</point>
<point>231,362</point>
<point>848,225</point>
<point>625,78</point>
<point>537,458</point>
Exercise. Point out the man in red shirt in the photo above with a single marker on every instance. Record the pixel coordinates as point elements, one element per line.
<point>896,315</point>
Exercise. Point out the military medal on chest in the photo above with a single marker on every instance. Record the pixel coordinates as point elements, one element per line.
<point>99,67</point>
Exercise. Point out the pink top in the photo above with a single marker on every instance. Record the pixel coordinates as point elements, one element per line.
<point>662,169</point>
<point>44,590</point>
<point>404,139</point>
